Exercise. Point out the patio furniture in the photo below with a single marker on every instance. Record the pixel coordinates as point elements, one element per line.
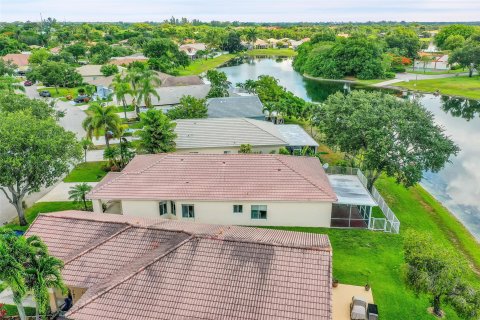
<point>372,311</point>
<point>358,308</point>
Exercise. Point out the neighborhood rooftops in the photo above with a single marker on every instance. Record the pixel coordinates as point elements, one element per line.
<point>19,59</point>
<point>170,96</point>
<point>233,132</point>
<point>236,107</point>
<point>90,70</point>
<point>136,268</point>
<point>218,177</point>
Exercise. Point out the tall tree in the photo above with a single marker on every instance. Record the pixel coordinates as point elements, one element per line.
<point>34,153</point>
<point>468,57</point>
<point>189,108</point>
<point>121,88</point>
<point>219,84</point>
<point>251,35</point>
<point>383,134</point>
<point>232,43</point>
<point>164,55</point>
<point>43,272</point>
<point>146,87</point>
<point>404,40</point>
<point>79,192</point>
<point>102,119</point>
<point>439,272</point>
<point>13,252</point>
<point>158,134</point>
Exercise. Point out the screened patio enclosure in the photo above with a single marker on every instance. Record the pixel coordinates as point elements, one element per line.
<point>354,206</point>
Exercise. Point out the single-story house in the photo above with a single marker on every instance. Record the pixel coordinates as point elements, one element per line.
<point>90,72</point>
<point>261,44</point>
<point>18,59</point>
<point>118,267</point>
<point>172,81</point>
<point>125,61</point>
<point>55,50</point>
<point>191,49</point>
<point>103,85</point>
<point>294,44</point>
<point>236,107</point>
<point>170,96</point>
<point>233,189</point>
<point>226,135</point>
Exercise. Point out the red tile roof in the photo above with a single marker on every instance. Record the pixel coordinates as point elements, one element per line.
<point>153,269</point>
<point>19,59</point>
<point>219,177</point>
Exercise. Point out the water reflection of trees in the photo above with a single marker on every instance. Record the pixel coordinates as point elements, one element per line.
<point>460,107</point>
<point>251,60</point>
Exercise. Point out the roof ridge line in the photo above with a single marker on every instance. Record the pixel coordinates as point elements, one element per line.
<point>96,245</point>
<point>273,244</point>
<point>257,126</point>
<point>120,281</point>
<point>303,176</point>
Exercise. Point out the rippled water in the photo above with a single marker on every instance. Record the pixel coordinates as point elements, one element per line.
<point>457,186</point>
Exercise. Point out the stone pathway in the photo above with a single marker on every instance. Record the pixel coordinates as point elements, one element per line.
<point>60,191</point>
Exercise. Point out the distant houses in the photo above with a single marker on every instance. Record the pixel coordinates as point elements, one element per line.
<point>125,61</point>
<point>192,49</point>
<point>20,60</point>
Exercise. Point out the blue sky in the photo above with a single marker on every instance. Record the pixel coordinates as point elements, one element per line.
<point>242,10</point>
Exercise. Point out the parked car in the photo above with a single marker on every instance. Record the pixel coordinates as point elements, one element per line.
<point>27,83</point>
<point>81,98</point>
<point>45,94</point>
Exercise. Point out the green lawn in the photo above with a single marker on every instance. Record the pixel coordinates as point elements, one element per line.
<point>129,108</point>
<point>62,92</point>
<point>362,254</point>
<point>12,310</point>
<point>272,52</point>
<point>456,86</point>
<point>44,207</point>
<point>87,172</point>
<point>199,66</point>
<point>370,81</point>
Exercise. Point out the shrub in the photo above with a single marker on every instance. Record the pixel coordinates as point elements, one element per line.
<point>390,75</point>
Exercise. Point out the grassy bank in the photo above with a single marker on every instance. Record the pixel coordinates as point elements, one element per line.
<point>361,255</point>
<point>62,92</point>
<point>87,172</point>
<point>44,207</point>
<point>12,310</point>
<point>202,65</point>
<point>456,86</point>
<point>272,52</point>
<point>438,72</point>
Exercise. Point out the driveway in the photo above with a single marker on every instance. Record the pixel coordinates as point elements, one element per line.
<point>60,191</point>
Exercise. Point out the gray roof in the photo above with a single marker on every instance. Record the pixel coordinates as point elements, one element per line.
<point>172,95</point>
<point>226,132</point>
<point>350,190</point>
<point>235,107</point>
<point>294,135</point>
<point>90,70</point>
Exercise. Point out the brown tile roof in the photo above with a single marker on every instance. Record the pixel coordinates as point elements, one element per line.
<point>219,177</point>
<point>138,270</point>
<point>19,59</point>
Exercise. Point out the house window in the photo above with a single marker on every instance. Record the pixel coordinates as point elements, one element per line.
<point>173,208</point>
<point>227,152</point>
<point>188,211</point>
<point>163,208</point>
<point>259,212</point>
<point>237,208</point>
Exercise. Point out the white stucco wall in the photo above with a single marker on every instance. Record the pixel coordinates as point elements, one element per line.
<point>308,214</point>
<point>233,150</point>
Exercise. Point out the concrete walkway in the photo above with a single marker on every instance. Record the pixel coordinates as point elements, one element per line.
<point>412,76</point>
<point>6,297</point>
<point>60,191</point>
<point>95,155</point>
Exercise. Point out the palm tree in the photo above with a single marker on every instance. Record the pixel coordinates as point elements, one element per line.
<point>146,87</point>
<point>251,36</point>
<point>121,88</point>
<point>112,154</point>
<point>79,192</point>
<point>13,252</point>
<point>86,144</point>
<point>43,272</point>
<point>102,118</point>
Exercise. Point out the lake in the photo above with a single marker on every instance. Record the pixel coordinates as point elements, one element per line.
<point>456,186</point>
